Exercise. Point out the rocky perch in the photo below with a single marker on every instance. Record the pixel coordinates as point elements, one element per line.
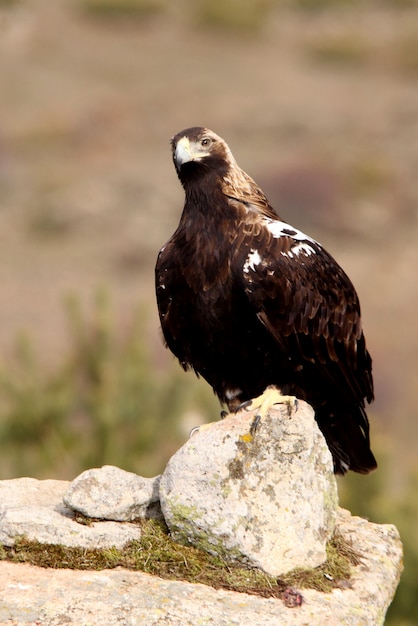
<point>266,500</point>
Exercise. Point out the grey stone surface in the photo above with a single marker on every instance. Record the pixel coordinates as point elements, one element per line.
<point>20,492</point>
<point>269,500</point>
<point>30,595</point>
<point>35,509</point>
<point>114,494</point>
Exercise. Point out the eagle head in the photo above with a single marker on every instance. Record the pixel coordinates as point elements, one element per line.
<point>198,150</point>
<point>204,161</point>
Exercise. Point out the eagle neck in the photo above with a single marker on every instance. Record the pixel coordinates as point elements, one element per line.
<point>206,202</point>
<point>205,253</point>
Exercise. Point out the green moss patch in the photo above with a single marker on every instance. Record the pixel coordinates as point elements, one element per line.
<point>156,553</point>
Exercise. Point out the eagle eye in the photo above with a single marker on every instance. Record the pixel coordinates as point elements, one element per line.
<point>206,142</point>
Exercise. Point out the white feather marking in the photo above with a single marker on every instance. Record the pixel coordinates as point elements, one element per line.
<point>299,248</point>
<point>281,229</point>
<point>253,259</point>
<point>303,247</point>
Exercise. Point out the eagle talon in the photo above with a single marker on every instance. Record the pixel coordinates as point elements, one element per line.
<point>194,430</point>
<point>244,406</point>
<point>254,425</point>
<point>292,406</point>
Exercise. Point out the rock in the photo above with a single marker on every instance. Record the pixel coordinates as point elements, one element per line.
<point>21,492</point>
<point>31,595</point>
<point>35,509</point>
<point>268,500</point>
<point>111,493</point>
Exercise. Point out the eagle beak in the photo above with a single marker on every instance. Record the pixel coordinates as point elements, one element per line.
<point>185,152</point>
<point>182,153</point>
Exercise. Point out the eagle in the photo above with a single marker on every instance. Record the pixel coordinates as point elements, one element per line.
<point>257,308</point>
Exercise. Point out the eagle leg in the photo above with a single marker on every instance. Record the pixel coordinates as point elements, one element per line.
<point>263,404</point>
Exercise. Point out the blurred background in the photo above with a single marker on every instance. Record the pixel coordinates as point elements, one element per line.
<point>318,100</point>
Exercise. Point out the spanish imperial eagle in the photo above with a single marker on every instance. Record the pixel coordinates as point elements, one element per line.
<point>249,302</point>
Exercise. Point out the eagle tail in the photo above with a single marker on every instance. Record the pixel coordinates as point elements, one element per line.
<point>347,436</point>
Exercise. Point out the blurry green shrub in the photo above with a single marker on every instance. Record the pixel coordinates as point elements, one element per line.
<point>406,54</point>
<point>47,219</point>
<point>247,16</point>
<point>103,404</point>
<point>400,4</point>
<point>404,609</point>
<point>121,8</point>
<point>321,5</point>
<point>368,497</point>
<point>348,50</point>
<point>369,174</point>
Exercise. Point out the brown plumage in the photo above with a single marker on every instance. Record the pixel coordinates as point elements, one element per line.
<point>248,301</point>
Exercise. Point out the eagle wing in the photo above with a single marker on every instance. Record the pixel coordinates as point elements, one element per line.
<point>308,304</point>
<point>166,274</point>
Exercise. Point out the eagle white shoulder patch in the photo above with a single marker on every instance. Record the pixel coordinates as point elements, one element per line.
<point>281,229</point>
<point>301,246</point>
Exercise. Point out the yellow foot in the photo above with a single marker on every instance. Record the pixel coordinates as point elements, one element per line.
<point>263,404</point>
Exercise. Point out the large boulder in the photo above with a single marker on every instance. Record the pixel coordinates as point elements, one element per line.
<point>268,499</point>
